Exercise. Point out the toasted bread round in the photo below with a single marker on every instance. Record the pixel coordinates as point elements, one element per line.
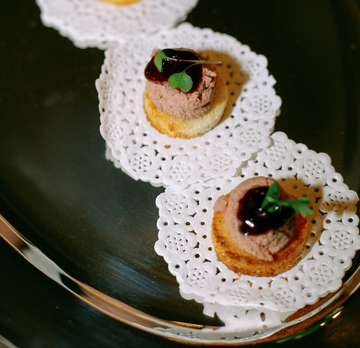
<point>178,128</point>
<point>242,262</point>
<point>121,2</point>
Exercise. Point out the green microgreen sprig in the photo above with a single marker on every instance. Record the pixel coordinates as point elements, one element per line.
<point>158,60</point>
<point>273,202</point>
<point>181,79</point>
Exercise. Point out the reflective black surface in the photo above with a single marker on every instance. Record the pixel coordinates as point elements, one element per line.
<point>97,223</point>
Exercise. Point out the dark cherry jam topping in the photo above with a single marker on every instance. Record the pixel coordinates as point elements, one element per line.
<point>170,67</point>
<point>255,221</point>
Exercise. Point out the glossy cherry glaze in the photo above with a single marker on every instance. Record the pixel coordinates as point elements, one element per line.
<point>254,220</point>
<point>170,67</point>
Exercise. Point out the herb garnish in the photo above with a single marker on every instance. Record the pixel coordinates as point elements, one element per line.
<point>180,80</point>
<point>272,202</point>
<point>160,56</point>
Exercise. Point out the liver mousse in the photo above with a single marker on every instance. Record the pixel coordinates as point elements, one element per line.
<point>184,105</point>
<point>263,246</point>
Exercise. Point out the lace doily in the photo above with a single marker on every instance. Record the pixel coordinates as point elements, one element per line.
<point>184,239</point>
<point>94,23</point>
<point>144,153</point>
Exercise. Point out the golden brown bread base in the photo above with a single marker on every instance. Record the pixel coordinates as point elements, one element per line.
<point>175,127</point>
<point>242,262</point>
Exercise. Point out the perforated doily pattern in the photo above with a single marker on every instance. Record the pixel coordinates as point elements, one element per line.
<point>93,23</point>
<point>144,153</point>
<point>185,235</point>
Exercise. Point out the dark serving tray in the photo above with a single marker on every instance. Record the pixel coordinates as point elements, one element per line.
<point>98,224</point>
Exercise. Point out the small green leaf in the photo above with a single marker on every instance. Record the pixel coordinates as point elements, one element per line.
<point>160,56</point>
<point>181,80</point>
<point>273,202</point>
<point>305,210</point>
<point>271,197</point>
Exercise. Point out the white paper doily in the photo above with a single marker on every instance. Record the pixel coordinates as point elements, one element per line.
<point>93,23</point>
<point>184,238</point>
<point>144,153</point>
